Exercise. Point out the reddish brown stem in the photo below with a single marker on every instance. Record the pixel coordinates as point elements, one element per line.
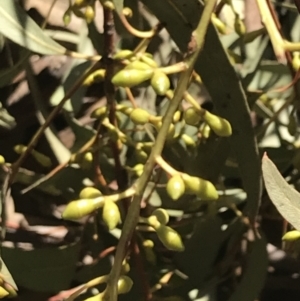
<point>140,269</point>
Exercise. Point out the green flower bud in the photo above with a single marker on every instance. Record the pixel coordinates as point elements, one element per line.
<point>239,26</point>
<point>80,208</point>
<point>97,76</point>
<point>139,116</point>
<point>127,11</point>
<point>138,169</point>
<point>148,60</point>
<point>219,125</point>
<point>141,155</point>
<point>160,82</point>
<point>221,27</point>
<point>171,132</point>
<point>189,141</point>
<point>40,158</point>
<point>170,238</point>
<point>111,214</point>
<point>108,4</point>
<point>137,65</point>
<point>67,17</point>
<point>87,160</point>
<point>123,54</point>
<point>99,113</point>
<point>296,60</point>
<point>148,249</point>
<point>131,78</point>
<point>291,235</point>
<point>89,193</point>
<point>2,160</point>
<point>89,14</point>
<point>175,187</point>
<point>161,215</point>
<point>125,267</point>
<point>81,2</point>
<point>202,188</point>
<point>124,109</point>
<point>191,116</point>
<point>124,284</point>
<point>176,116</point>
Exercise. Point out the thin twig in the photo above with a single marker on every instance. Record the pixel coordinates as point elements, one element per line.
<point>52,115</point>
<point>275,36</point>
<point>198,37</point>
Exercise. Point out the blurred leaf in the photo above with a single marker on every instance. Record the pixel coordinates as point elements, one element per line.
<point>6,120</point>
<point>28,177</point>
<point>82,133</point>
<point>69,181</point>
<point>17,26</point>
<point>96,38</point>
<point>284,197</point>
<point>297,3</point>
<point>119,4</point>
<point>198,259</point>
<point>8,74</point>
<point>255,273</point>
<point>48,269</point>
<point>270,76</point>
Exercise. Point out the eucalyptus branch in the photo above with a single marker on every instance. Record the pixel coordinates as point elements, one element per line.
<point>275,36</point>
<point>197,39</point>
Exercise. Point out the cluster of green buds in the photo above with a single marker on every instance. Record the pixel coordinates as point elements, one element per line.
<point>84,9</point>
<point>90,199</point>
<point>239,25</point>
<point>181,183</point>
<point>124,285</point>
<point>168,236</point>
<point>140,68</point>
<point>84,159</point>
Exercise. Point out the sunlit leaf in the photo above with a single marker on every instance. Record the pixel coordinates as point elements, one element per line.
<point>284,197</point>
<point>17,26</point>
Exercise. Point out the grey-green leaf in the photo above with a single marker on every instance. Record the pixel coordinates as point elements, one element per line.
<point>284,197</point>
<point>17,26</point>
<point>119,4</point>
<point>255,273</point>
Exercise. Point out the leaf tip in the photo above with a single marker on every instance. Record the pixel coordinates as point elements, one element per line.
<point>265,156</point>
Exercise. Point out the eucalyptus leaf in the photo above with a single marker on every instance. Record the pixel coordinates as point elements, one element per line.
<point>6,120</point>
<point>17,26</point>
<point>119,4</point>
<point>254,277</point>
<point>284,197</point>
<point>43,269</point>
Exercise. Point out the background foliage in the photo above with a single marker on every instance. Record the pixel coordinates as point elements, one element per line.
<point>233,247</point>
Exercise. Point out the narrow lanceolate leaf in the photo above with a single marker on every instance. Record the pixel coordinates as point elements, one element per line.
<point>254,275</point>
<point>284,197</point>
<point>17,26</point>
